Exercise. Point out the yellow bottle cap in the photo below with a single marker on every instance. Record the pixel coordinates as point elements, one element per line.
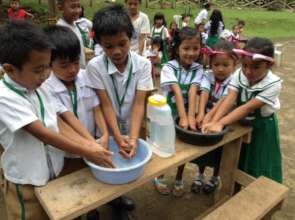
<point>157,100</point>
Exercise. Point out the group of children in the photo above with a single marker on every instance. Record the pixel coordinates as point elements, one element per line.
<point>52,108</point>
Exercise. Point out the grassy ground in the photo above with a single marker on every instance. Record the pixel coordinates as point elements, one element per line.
<point>274,25</point>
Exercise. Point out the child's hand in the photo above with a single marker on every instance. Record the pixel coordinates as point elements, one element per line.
<point>183,122</point>
<point>212,128</point>
<point>199,120</point>
<point>124,148</point>
<point>98,155</point>
<point>207,119</point>
<point>104,141</point>
<point>192,123</point>
<point>132,146</point>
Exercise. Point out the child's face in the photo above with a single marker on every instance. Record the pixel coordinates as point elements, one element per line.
<point>223,65</point>
<point>34,72</point>
<point>236,30</point>
<point>116,48</point>
<point>65,70</point>
<point>14,5</point>
<point>254,70</point>
<point>159,22</point>
<point>186,19</point>
<point>201,28</point>
<point>71,10</point>
<point>133,6</point>
<point>241,28</point>
<point>173,26</point>
<point>189,51</point>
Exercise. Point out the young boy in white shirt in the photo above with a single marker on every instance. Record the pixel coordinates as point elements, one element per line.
<point>33,138</point>
<point>120,78</point>
<point>71,10</point>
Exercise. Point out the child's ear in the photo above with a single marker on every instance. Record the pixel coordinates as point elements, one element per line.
<point>270,64</point>
<point>9,68</point>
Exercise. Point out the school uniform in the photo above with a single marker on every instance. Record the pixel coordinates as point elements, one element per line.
<point>26,160</point>
<point>163,33</point>
<point>216,92</point>
<point>213,39</point>
<point>173,73</point>
<point>202,16</point>
<point>76,30</point>
<point>102,74</point>
<point>263,155</point>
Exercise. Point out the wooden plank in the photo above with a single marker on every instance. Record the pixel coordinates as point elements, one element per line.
<point>228,166</point>
<point>247,138</point>
<point>253,202</point>
<point>243,178</point>
<point>72,195</point>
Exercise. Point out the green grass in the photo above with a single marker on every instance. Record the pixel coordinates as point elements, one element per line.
<point>270,24</point>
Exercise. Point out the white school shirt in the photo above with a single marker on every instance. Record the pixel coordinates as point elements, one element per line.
<point>267,90</point>
<point>86,97</point>
<point>165,33</point>
<point>203,15</point>
<point>24,160</point>
<point>173,73</point>
<point>75,29</point>
<point>141,26</point>
<point>99,73</point>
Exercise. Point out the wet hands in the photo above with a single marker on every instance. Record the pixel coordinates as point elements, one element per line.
<point>212,128</point>
<point>127,146</point>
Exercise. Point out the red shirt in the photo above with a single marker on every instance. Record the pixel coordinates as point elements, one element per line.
<point>19,15</point>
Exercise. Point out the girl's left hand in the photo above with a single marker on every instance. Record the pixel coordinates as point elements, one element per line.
<point>192,123</point>
<point>183,122</point>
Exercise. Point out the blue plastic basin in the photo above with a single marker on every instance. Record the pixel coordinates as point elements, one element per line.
<point>126,170</point>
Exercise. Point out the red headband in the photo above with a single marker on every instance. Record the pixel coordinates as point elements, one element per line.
<point>255,56</point>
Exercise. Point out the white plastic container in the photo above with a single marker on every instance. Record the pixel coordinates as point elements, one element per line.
<point>160,126</point>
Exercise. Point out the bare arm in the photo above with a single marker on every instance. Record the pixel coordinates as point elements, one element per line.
<point>102,126</point>
<point>192,96</point>
<point>180,106</point>
<point>204,97</point>
<point>141,43</point>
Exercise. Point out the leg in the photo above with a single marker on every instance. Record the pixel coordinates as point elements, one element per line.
<point>199,181</point>
<point>178,188</point>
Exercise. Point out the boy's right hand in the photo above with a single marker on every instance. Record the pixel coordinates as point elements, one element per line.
<point>183,122</point>
<point>99,155</point>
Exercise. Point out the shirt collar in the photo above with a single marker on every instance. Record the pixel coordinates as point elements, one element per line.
<point>212,78</point>
<point>112,69</point>
<point>15,84</point>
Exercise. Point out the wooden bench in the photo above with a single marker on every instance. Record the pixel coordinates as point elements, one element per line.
<point>259,200</point>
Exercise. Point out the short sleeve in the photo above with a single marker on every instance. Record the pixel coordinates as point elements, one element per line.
<point>93,76</point>
<point>234,83</point>
<point>271,94</point>
<point>197,80</point>
<point>205,84</point>
<point>167,77</point>
<point>145,25</point>
<point>16,112</point>
<point>145,82</point>
<point>225,92</point>
<point>60,107</point>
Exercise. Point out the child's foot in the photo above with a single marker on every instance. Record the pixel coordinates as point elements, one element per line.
<point>198,184</point>
<point>212,185</point>
<point>178,188</point>
<point>161,187</point>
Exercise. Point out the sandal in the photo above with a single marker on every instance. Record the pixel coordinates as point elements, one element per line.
<point>211,185</point>
<point>161,187</point>
<point>198,184</point>
<point>178,189</point>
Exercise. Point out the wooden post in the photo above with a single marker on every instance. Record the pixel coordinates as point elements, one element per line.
<point>51,12</point>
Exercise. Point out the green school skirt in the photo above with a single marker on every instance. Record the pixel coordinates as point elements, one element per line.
<point>263,155</point>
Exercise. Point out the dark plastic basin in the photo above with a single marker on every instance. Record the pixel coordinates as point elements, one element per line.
<point>197,137</point>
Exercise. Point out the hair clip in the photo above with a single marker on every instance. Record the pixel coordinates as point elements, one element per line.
<point>255,56</point>
<point>208,51</point>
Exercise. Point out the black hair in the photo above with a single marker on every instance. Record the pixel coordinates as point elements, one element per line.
<point>138,0</point>
<point>111,21</point>
<point>82,12</point>
<point>158,40</point>
<point>215,18</point>
<point>17,41</point>
<point>260,45</point>
<point>207,5</point>
<point>241,22</point>
<point>226,47</point>
<point>185,33</point>
<point>160,16</point>
<point>66,43</point>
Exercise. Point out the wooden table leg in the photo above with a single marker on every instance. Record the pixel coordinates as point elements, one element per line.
<point>228,166</point>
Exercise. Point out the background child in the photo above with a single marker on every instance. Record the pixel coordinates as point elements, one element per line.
<point>213,91</point>
<point>71,10</point>
<point>121,78</point>
<point>159,30</point>
<point>214,27</point>
<point>141,25</point>
<point>85,28</point>
<point>256,90</point>
<point>180,79</point>
<point>185,18</point>
<point>32,135</point>
<point>203,14</point>
<point>17,13</point>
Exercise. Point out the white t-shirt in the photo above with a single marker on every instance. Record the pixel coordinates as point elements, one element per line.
<point>87,100</point>
<point>26,160</point>
<point>173,73</point>
<point>266,90</point>
<point>203,15</point>
<point>100,71</point>
<point>141,26</point>
<point>85,24</point>
<point>75,29</point>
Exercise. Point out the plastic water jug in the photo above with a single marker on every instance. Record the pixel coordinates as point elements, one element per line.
<point>160,126</point>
